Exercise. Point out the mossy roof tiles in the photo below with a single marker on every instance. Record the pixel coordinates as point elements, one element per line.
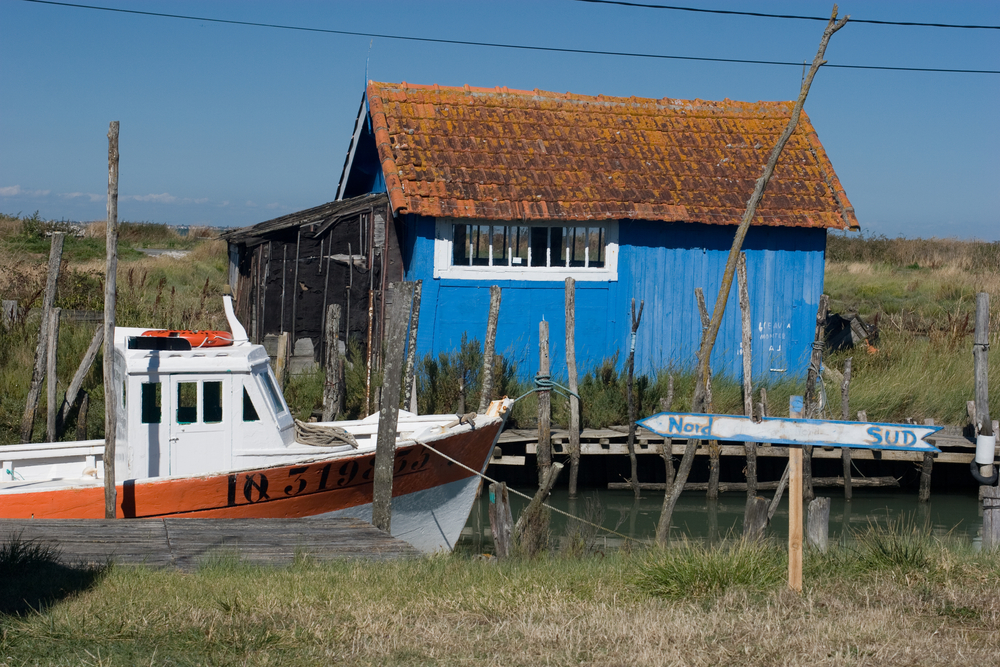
<point>534,155</point>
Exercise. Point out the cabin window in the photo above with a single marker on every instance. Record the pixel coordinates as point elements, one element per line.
<point>272,392</point>
<point>249,411</point>
<point>526,252</point>
<point>151,402</point>
<point>187,402</point>
<point>211,402</point>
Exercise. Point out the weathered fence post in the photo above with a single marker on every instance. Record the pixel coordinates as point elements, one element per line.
<point>81,372</point>
<point>574,402</point>
<point>281,363</point>
<point>795,504</point>
<point>991,517</point>
<point>51,376</point>
<point>489,350</point>
<point>38,374</point>
<point>399,297</point>
<point>980,356</point>
<point>81,417</point>
<point>629,394</point>
<point>812,409</point>
<point>501,520</point>
<point>332,388</point>
<point>110,299</point>
<point>667,452</point>
<point>713,445</point>
<point>845,414</point>
<point>926,469</point>
<point>755,519</point>
<point>544,451</point>
<point>818,526</point>
<point>532,528</point>
<point>410,376</point>
<point>745,349</point>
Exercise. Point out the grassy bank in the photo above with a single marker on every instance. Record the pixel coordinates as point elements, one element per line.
<point>880,602</point>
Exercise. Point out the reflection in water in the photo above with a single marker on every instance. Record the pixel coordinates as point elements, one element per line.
<point>696,517</point>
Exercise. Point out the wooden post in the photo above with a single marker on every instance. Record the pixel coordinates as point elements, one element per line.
<point>795,504</point>
<point>81,417</point>
<point>991,518</point>
<point>574,402</point>
<point>708,339</point>
<point>531,529</point>
<point>845,414</point>
<point>667,452</point>
<point>81,373</point>
<point>282,361</point>
<point>38,374</point>
<point>501,520</point>
<point>755,519</point>
<point>410,376</point>
<point>751,447</point>
<point>713,445</point>
<point>813,376</point>
<point>629,395</point>
<point>332,389</point>
<point>110,283</point>
<point>400,297</point>
<point>544,455</point>
<point>926,469</point>
<point>52,377</point>
<point>818,527</point>
<point>980,356</point>
<point>489,350</point>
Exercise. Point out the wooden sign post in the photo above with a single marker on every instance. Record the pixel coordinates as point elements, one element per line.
<point>796,433</point>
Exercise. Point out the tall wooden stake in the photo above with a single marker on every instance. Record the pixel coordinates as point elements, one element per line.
<point>52,383</point>
<point>400,296</point>
<point>574,402</point>
<point>38,373</point>
<point>980,357</point>
<point>714,451</point>
<point>489,349</point>
<point>544,453</point>
<point>845,414</point>
<point>110,280</point>
<point>708,340</point>
<point>926,470</point>
<point>663,525</point>
<point>409,377</point>
<point>333,393</point>
<point>795,504</point>
<point>750,447</point>
<point>629,394</point>
<point>812,408</point>
<point>81,372</point>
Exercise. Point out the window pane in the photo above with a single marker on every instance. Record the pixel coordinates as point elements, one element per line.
<point>187,402</point>
<point>577,255</point>
<point>520,246</point>
<point>211,402</point>
<point>249,411</point>
<point>272,392</point>
<point>481,245</point>
<point>151,410</point>
<point>460,245</point>
<point>555,246</point>
<point>499,236</point>
<point>539,245</point>
<point>596,243</point>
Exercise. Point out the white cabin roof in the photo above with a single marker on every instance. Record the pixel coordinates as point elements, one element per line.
<point>236,358</point>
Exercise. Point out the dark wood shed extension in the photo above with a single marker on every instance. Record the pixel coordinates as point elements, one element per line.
<point>285,272</point>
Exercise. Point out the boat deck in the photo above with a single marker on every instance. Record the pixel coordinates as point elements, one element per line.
<point>188,544</point>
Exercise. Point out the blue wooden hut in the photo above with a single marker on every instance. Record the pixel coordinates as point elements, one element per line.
<point>634,198</point>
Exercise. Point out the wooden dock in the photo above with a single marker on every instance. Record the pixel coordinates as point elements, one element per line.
<point>516,444</point>
<point>188,544</point>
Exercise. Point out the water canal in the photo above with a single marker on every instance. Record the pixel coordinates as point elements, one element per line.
<point>958,515</point>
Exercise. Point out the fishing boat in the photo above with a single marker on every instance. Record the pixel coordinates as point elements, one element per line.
<point>204,431</point>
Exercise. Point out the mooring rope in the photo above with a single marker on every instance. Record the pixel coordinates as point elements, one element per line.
<point>317,435</point>
<point>529,498</point>
<point>544,382</point>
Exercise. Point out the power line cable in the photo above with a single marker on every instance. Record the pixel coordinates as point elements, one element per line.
<point>731,12</point>
<point>523,47</point>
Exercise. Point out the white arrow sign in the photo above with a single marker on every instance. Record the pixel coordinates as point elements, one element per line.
<point>859,435</point>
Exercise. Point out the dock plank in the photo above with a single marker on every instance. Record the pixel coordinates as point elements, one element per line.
<point>188,543</point>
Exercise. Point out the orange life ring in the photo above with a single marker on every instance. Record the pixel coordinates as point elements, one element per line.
<point>196,338</point>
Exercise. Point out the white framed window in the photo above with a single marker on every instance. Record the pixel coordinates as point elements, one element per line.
<point>510,250</point>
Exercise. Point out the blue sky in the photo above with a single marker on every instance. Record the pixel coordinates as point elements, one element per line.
<point>232,125</point>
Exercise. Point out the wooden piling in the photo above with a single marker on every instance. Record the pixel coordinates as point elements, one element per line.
<point>400,297</point>
<point>795,504</point>
<point>574,402</point>
<point>747,327</point>
<point>52,377</point>
<point>755,519</point>
<point>544,456</point>
<point>926,469</point>
<point>489,349</point>
<point>980,357</point>
<point>713,445</point>
<point>531,531</point>
<point>410,376</point>
<point>281,364</point>
<point>501,520</point>
<point>38,373</point>
<point>81,417</point>
<point>845,452</point>
<point>991,518</point>
<point>110,286</point>
<point>333,394</point>
<point>667,452</point>
<point>630,398</point>
<point>811,399</point>
<point>81,373</point>
<point>818,525</point>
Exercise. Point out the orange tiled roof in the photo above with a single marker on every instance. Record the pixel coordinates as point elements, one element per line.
<point>534,155</point>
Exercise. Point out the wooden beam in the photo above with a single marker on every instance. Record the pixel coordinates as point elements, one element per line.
<point>489,350</point>
<point>38,373</point>
<point>52,377</point>
<point>574,402</point>
<point>81,373</point>
<point>111,389</point>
